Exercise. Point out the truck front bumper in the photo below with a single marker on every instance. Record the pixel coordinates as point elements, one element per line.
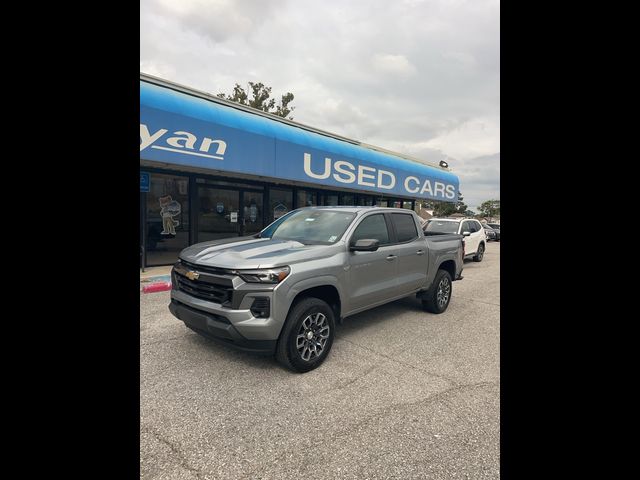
<point>218,326</point>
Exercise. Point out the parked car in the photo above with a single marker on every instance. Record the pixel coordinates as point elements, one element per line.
<point>490,232</point>
<point>475,238</point>
<point>282,290</point>
<point>496,227</point>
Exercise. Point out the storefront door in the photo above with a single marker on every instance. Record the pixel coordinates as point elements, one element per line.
<point>252,215</point>
<point>224,213</point>
<point>217,213</point>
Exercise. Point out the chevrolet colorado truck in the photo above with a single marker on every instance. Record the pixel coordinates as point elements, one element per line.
<point>282,290</point>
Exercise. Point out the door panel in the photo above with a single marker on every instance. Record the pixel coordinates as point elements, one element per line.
<point>477,235</point>
<point>412,255</point>
<point>372,275</point>
<point>218,213</point>
<point>472,241</point>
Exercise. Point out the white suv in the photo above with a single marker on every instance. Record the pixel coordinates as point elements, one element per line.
<point>475,238</point>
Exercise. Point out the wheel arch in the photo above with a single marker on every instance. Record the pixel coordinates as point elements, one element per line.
<point>324,288</point>
<point>449,266</point>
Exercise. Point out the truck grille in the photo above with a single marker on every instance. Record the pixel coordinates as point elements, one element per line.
<point>203,290</point>
<point>202,268</point>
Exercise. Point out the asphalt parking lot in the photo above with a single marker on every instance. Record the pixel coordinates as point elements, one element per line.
<point>403,394</point>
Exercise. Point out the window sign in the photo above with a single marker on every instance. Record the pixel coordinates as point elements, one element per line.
<point>182,186</point>
<point>169,208</point>
<point>279,210</point>
<point>144,182</point>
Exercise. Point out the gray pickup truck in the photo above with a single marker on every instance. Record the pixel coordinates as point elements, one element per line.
<point>281,291</point>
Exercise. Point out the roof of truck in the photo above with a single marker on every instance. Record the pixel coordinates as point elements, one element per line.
<point>352,209</point>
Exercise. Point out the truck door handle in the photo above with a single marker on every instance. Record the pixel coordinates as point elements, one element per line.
<point>391,257</point>
<point>419,252</point>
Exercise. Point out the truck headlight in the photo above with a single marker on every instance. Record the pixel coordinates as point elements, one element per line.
<point>265,275</point>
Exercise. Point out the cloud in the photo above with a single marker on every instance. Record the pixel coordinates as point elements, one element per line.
<point>479,179</point>
<point>393,64</point>
<point>417,77</point>
<point>219,20</point>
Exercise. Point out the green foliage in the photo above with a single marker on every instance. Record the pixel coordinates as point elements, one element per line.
<point>260,99</point>
<point>444,209</point>
<point>490,208</point>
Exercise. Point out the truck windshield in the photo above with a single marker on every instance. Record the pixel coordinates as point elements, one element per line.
<point>320,227</point>
<point>268,231</point>
<point>435,227</point>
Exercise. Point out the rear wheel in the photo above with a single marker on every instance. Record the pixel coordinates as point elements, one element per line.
<point>307,335</point>
<point>437,298</point>
<point>479,254</point>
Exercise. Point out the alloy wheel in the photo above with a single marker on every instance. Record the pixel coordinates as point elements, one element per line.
<point>444,290</point>
<point>312,336</point>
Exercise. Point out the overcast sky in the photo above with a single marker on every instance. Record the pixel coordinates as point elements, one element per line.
<point>420,77</point>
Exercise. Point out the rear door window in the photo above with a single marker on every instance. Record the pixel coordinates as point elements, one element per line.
<point>405,227</point>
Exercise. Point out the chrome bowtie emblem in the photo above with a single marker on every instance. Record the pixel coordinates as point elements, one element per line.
<point>191,275</point>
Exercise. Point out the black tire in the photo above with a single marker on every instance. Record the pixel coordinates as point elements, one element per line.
<point>434,300</point>
<point>291,350</point>
<point>479,254</point>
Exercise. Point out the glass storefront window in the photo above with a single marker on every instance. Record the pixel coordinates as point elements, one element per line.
<point>396,204</point>
<point>167,223</point>
<point>280,201</point>
<point>407,205</point>
<point>348,199</point>
<point>365,201</point>
<point>207,181</point>
<point>382,203</point>
<point>251,213</point>
<point>218,213</point>
<point>329,199</point>
<point>306,198</point>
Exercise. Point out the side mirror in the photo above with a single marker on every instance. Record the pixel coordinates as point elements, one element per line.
<point>365,245</point>
<point>466,234</point>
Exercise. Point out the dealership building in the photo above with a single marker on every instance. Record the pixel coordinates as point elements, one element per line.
<point>211,168</point>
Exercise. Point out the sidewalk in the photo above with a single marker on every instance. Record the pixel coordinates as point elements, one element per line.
<point>156,274</point>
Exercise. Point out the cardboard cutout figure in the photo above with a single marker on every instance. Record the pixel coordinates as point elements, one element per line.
<point>170,208</point>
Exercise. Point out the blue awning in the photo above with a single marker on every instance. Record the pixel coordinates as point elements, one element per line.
<point>183,129</point>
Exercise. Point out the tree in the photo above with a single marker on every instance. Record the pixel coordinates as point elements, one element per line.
<point>444,209</point>
<point>260,99</point>
<point>490,208</point>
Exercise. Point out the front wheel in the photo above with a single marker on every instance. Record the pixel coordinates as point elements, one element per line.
<point>437,298</point>
<point>479,254</point>
<point>307,335</point>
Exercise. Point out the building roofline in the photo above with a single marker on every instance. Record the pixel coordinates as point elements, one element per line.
<point>212,98</point>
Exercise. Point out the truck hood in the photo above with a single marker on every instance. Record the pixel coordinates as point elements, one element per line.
<point>251,252</point>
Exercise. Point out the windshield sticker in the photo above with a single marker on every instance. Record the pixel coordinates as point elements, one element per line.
<point>309,219</point>
<point>332,238</point>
